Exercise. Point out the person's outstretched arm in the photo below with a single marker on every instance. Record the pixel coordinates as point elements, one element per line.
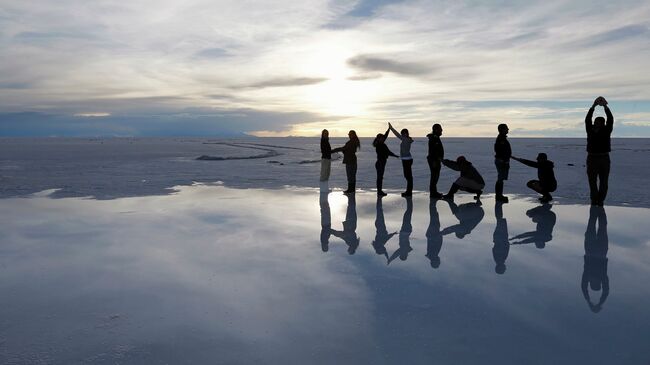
<point>390,153</point>
<point>610,118</point>
<point>395,132</point>
<point>386,134</point>
<point>451,164</point>
<point>526,162</point>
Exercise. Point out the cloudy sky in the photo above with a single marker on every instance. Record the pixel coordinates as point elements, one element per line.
<point>277,68</point>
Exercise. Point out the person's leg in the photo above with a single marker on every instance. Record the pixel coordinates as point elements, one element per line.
<point>349,174</point>
<point>452,190</point>
<point>325,168</point>
<point>535,185</point>
<point>502,175</point>
<point>434,167</point>
<point>354,176</point>
<point>592,174</point>
<point>408,174</point>
<point>603,177</point>
<point>380,165</point>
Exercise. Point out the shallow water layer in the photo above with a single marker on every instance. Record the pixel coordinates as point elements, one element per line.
<point>218,275</point>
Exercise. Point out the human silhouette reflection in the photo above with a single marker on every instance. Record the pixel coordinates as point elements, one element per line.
<point>545,219</point>
<point>404,234</point>
<point>325,222</point>
<point>594,274</point>
<point>382,236</point>
<point>469,215</point>
<point>349,232</point>
<point>500,238</point>
<point>434,236</point>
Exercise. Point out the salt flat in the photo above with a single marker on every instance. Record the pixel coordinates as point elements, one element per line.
<point>213,274</point>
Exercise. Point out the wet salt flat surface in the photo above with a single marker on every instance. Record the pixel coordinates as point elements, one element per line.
<point>211,274</point>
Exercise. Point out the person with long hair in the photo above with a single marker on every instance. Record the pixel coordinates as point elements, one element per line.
<point>326,156</point>
<point>405,156</point>
<point>382,156</point>
<point>350,160</point>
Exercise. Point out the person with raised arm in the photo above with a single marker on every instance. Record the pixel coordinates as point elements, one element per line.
<point>599,133</point>
<point>382,156</point>
<point>502,153</point>
<point>406,157</point>
<point>434,159</point>
<point>470,180</point>
<point>546,183</point>
<point>350,160</point>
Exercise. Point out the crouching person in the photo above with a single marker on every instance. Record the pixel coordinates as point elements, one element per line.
<point>470,180</point>
<point>546,183</point>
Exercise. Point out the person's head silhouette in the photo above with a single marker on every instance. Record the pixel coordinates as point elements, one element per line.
<point>500,268</point>
<point>503,128</point>
<point>437,129</point>
<point>435,262</point>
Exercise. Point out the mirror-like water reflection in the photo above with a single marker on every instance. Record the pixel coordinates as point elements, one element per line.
<point>218,275</point>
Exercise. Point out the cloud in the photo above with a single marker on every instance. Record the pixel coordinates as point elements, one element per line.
<point>284,82</point>
<point>616,35</point>
<point>92,115</point>
<point>369,63</point>
<point>212,53</point>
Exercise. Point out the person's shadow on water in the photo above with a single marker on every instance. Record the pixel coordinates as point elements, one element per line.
<point>349,232</point>
<point>545,219</point>
<point>594,274</point>
<point>382,236</point>
<point>404,234</point>
<point>325,221</point>
<point>469,215</point>
<point>501,246</point>
<point>434,236</point>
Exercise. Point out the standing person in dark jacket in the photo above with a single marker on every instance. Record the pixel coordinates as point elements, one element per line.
<point>546,183</point>
<point>382,156</point>
<point>350,160</point>
<point>434,158</point>
<point>598,148</point>
<point>326,155</point>
<point>406,157</point>
<point>502,153</point>
<point>470,180</point>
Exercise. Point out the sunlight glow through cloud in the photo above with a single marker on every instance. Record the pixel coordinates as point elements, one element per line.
<point>340,64</point>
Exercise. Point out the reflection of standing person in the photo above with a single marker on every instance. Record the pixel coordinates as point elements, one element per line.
<point>350,160</point>
<point>598,148</point>
<point>434,159</point>
<point>434,236</point>
<point>545,219</point>
<point>470,180</point>
<point>404,234</point>
<point>382,236</point>
<point>325,222</point>
<point>349,233</point>
<point>382,156</point>
<point>326,156</point>
<point>501,246</point>
<point>502,153</point>
<point>406,157</point>
<point>594,274</point>
<point>546,183</point>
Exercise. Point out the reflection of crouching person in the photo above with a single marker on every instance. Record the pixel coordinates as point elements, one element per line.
<point>470,180</point>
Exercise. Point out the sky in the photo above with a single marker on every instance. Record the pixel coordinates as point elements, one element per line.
<point>292,68</point>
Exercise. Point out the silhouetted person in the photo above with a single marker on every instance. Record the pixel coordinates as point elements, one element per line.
<point>349,233</point>
<point>598,148</point>
<point>545,219</point>
<point>470,180</point>
<point>382,236</point>
<point>382,156</point>
<point>434,159</point>
<point>546,183</point>
<point>501,246</point>
<point>326,156</point>
<point>434,236</point>
<point>404,234</point>
<point>469,215</point>
<point>406,157</point>
<point>350,160</point>
<point>502,153</point>
<point>594,274</point>
<point>325,222</point>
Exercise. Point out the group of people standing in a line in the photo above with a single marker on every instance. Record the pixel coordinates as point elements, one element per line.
<point>470,180</point>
